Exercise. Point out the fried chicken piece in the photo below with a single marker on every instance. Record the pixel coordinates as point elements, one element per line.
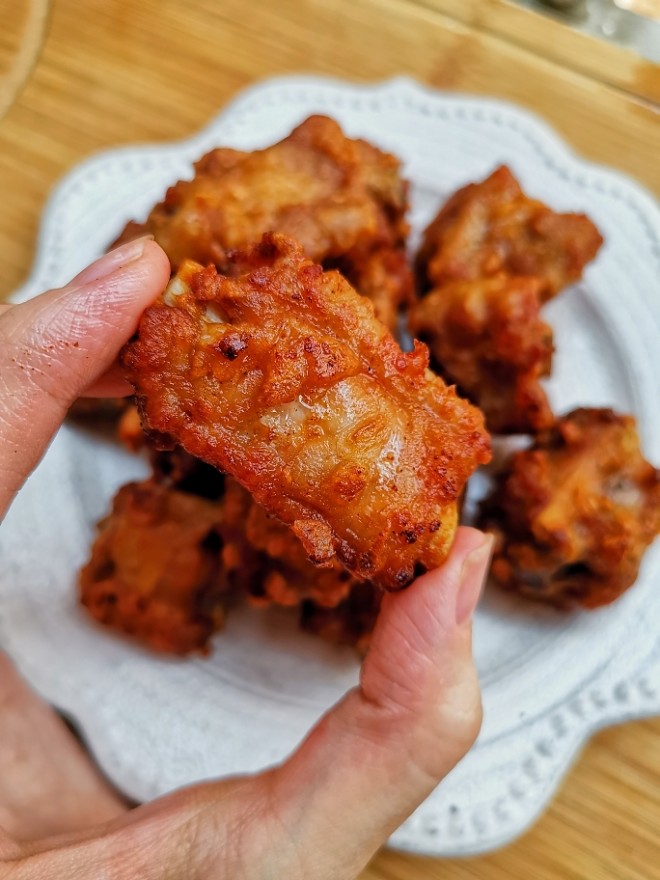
<point>492,227</point>
<point>276,569</point>
<point>343,199</point>
<point>487,337</point>
<point>282,377</point>
<point>350,623</point>
<point>574,514</point>
<point>490,258</point>
<point>158,571</point>
<point>259,557</point>
<point>285,575</point>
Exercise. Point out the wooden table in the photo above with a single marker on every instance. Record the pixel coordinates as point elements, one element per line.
<point>107,72</point>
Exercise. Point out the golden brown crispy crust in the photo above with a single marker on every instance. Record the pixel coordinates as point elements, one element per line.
<point>343,199</point>
<point>157,571</point>
<point>488,338</point>
<point>574,514</point>
<point>166,565</point>
<point>350,623</point>
<point>282,377</point>
<point>274,566</point>
<point>285,576</point>
<point>489,259</point>
<point>492,227</point>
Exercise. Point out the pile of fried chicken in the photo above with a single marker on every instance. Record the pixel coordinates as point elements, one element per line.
<point>299,456</point>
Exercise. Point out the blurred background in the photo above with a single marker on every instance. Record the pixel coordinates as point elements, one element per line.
<point>631,23</point>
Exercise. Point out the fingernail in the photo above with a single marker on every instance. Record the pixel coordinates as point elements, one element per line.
<point>474,572</point>
<point>113,260</point>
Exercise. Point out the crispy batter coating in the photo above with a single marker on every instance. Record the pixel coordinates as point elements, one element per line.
<point>488,338</point>
<point>343,199</point>
<point>574,514</point>
<point>167,564</point>
<point>157,571</point>
<point>275,567</point>
<point>285,576</point>
<point>488,261</point>
<point>282,377</point>
<point>492,227</point>
<point>349,623</point>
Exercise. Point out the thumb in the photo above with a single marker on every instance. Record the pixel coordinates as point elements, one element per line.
<point>55,346</point>
<point>382,750</point>
<point>361,771</point>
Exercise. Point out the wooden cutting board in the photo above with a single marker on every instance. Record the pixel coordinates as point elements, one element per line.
<point>107,72</point>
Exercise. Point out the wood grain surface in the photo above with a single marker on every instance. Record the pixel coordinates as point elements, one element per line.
<point>607,62</point>
<point>22,35</point>
<point>111,72</point>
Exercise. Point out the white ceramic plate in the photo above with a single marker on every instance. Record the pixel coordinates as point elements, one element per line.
<point>549,680</point>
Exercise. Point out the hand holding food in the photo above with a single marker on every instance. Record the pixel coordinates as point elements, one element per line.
<point>417,703</point>
<point>280,375</point>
